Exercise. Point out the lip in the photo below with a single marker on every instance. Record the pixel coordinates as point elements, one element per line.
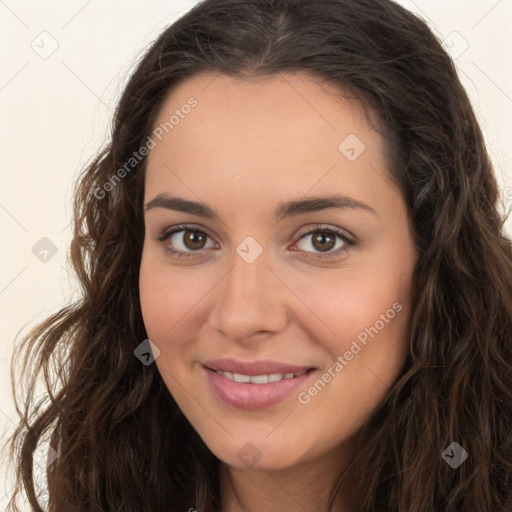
<point>253,367</point>
<point>250,396</point>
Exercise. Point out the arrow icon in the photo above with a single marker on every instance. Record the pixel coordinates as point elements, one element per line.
<point>454,455</point>
<point>249,455</point>
<point>147,352</point>
<point>351,147</point>
<point>44,45</point>
<point>44,250</point>
<point>455,44</point>
<point>243,249</point>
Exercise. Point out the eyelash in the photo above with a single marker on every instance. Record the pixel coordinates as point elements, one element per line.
<point>349,244</point>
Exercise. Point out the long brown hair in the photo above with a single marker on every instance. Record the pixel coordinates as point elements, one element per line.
<point>122,442</point>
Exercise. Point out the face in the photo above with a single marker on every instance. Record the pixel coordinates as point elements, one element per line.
<point>280,303</point>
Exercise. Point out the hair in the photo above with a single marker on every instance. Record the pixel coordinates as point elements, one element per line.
<point>122,442</point>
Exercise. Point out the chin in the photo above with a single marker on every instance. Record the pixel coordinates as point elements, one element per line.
<point>259,454</point>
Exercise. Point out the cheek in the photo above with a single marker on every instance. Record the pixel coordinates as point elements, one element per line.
<point>167,297</point>
<point>345,305</point>
<point>365,316</point>
<point>168,294</point>
<point>367,321</point>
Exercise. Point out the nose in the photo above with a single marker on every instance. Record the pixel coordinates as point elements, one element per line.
<point>250,300</point>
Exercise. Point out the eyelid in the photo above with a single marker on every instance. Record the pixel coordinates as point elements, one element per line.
<point>343,233</point>
<point>349,242</point>
<point>171,231</point>
<point>348,239</point>
<point>165,233</point>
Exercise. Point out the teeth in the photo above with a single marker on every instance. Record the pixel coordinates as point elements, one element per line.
<point>258,379</point>
<point>238,377</point>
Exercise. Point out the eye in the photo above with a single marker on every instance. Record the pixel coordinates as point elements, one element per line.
<point>184,240</point>
<point>327,241</point>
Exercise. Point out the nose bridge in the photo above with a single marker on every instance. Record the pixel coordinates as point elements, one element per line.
<point>249,297</point>
<point>247,282</point>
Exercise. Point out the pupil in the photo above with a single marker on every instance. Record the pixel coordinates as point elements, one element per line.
<point>194,237</point>
<point>195,240</point>
<point>321,237</point>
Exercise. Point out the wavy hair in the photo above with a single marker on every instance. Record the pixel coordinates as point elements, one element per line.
<point>122,442</point>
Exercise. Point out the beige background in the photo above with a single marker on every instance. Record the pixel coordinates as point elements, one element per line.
<point>55,111</point>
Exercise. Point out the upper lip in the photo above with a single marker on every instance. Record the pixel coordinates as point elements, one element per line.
<point>252,368</point>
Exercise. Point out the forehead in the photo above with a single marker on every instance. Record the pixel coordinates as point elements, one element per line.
<point>295,101</point>
<point>286,132</point>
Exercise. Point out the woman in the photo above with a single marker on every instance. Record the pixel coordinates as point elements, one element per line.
<point>296,290</point>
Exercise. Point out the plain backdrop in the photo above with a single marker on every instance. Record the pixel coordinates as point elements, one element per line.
<point>63,66</point>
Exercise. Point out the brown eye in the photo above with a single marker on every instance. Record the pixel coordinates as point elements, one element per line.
<point>194,240</point>
<point>323,240</point>
<point>185,241</point>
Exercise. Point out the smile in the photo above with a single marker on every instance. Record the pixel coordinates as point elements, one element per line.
<point>256,385</point>
<point>258,379</point>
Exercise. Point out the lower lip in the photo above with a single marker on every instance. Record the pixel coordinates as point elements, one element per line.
<point>253,396</point>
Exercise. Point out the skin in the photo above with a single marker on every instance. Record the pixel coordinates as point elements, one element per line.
<point>246,147</point>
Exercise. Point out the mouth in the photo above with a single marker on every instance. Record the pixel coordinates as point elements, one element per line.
<point>254,385</point>
<point>255,368</point>
<point>258,379</point>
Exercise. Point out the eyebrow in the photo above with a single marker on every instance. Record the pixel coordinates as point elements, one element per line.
<point>284,210</point>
